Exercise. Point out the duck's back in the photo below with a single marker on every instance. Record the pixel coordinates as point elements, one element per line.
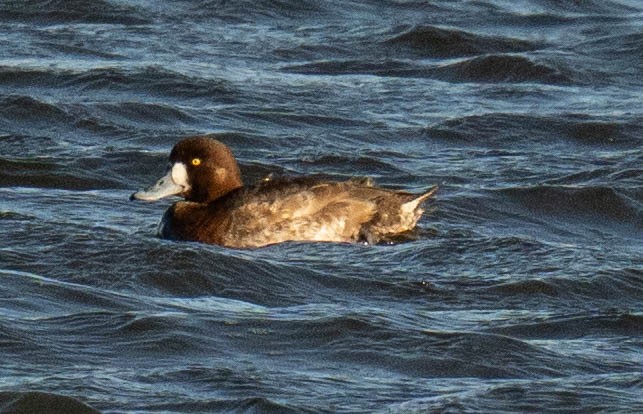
<point>300,209</point>
<point>297,210</point>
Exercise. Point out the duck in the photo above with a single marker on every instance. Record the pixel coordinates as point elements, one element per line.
<point>217,208</point>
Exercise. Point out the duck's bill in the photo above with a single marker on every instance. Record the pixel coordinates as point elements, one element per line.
<point>164,187</point>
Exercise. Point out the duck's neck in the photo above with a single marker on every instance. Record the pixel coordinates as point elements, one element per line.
<point>218,184</point>
<point>223,189</point>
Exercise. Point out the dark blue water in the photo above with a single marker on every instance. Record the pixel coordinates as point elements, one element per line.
<point>522,291</point>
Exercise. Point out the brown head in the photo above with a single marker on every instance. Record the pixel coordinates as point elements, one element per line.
<point>201,169</point>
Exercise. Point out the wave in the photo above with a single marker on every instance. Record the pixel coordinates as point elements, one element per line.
<point>407,42</point>
<point>604,393</point>
<point>149,80</point>
<point>244,405</point>
<point>68,11</point>
<point>485,69</point>
<point>365,165</point>
<point>293,119</point>
<point>619,55</point>
<point>368,340</point>
<point>601,203</point>
<point>22,116</point>
<point>27,109</point>
<point>456,355</point>
<point>623,285</point>
<point>500,128</point>
<point>248,11</point>
<point>136,112</point>
<point>153,80</point>
<point>622,46</point>
<point>446,43</point>
<point>503,68</point>
<point>589,6</point>
<point>82,51</point>
<point>576,327</point>
<point>228,276</point>
<point>305,52</point>
<point>61,172</point>
<point>42,402</point>
<point>357,67</point>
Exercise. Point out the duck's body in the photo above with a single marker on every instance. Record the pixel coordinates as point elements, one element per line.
<point>220,210</point>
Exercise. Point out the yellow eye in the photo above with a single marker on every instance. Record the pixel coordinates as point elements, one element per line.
<point>196,161</point>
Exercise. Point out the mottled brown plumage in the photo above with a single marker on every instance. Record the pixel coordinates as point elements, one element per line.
<point>219,209</point>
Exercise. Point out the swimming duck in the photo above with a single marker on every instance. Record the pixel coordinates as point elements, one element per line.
<point>219,209</point>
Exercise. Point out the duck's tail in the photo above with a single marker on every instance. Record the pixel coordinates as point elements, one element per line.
<point>412,205</point>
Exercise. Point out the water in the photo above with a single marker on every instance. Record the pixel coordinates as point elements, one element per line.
<point>521,293</point>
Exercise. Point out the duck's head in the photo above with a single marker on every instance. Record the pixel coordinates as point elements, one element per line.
<point>201,169</point>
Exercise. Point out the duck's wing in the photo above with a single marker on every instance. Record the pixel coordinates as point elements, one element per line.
<point>300,210</point>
